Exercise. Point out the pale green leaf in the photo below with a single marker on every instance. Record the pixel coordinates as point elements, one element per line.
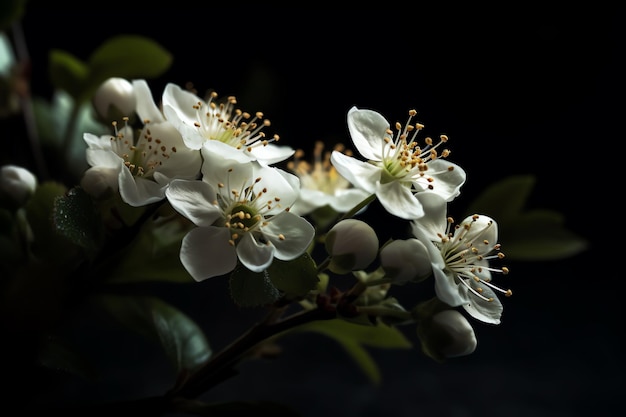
<point>353,337</point>
<point>67,73</point>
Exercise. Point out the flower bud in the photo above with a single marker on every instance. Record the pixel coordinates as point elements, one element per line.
<point>100,181</point>
<point>447,334</point>
<point>405,260</point>
<point>17,183</point>
<point>352,245</point>
<point>114,99</point>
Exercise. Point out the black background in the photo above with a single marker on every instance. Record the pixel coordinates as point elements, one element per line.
<point>518,91</point>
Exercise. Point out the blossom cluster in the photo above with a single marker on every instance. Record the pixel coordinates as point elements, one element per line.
<point>217,166</point>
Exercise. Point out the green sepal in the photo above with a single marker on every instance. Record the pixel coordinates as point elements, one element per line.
<point>183,341</point>
<point>295,278</point>
<point>342,264</point>
<point>426,309</point>
<point>531,235</point>
<point>252,289</point>
<point>76,217</point>
<point>354,337</point>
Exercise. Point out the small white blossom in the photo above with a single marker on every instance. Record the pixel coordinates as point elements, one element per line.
<point>322,185</point>
<point>140,165</point>
<point>221,127</point>
<point>397,168</point>
<point>460,258</point>
<point>241,212</point>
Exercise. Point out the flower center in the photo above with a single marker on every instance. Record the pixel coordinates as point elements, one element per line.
<point>404,158</point>
<point>244,209</point>
<point>321,175</point>
<point>223,122</point>
<point>143,157</point>
<point>463,249</point>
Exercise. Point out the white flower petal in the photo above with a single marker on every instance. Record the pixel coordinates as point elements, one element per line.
<point>270,153</point>
<point>233,174</point>
<point>428,227</point>
<point>360,174</point>
<point>398,199</point>
<point>138,191</point>
<point>447,182</point>
<point>182,162</point>
<point>290,234</point>
<point>448,289</point>
<point>103,158</point>
<point>179,108</point>
<point>146,107</point>
<point>194,200</point>
<point>256,256</point>
<point>483,310</point>
<point>205,252</point>
<point>225,151</point>
<point>367,130</point>
<point>97,142</point>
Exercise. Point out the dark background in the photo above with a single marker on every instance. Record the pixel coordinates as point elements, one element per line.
<point>518,91</point>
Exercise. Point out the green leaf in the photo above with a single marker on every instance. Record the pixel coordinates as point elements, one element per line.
<point>58,355</point>
<point>182,339</point>
<point>353,338</point>
<point>295,278</point>
<point>252,289</point>
<point>154,256</point>
<point>526,235</point>
<point>540,235</point>
<point>67,73</point>
<point>505,199</point>
<point>126,56</point>
<point>76,217</point>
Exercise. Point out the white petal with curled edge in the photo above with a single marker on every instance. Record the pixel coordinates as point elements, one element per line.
<point>290,234</point>
<point>368,130</point>
<point>194,200</point>
<point>254,255</point>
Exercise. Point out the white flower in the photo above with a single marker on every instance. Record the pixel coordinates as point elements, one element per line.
<point>397,167</point>
<point>221,127</point>
<point>460,258</point>
<point>140,166</point>
<point>241,212</point>
<point>322,185</point>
